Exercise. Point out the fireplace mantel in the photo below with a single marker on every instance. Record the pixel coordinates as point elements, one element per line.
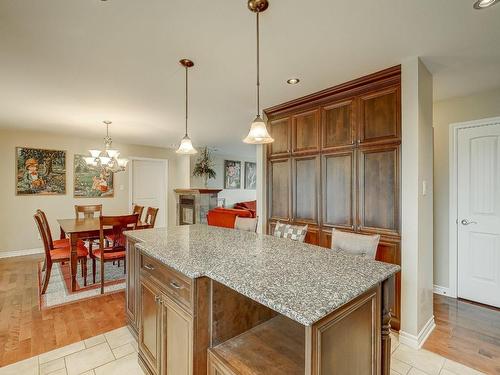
<point>197,191</point>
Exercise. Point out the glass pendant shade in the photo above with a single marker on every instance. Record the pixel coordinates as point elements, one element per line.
<point>258,133</point>
<point>104,160</point>
<point>186,147</point>
<point>113,153</point>
<point>90,160</point>
<point>95,153</point>
<point>122,163</point>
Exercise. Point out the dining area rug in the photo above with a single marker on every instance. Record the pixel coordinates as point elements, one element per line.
<point>59,289</point>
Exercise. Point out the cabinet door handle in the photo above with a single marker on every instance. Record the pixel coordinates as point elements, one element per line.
<point>157,299</point>
<point>174,285</point>
<point>149,267</point>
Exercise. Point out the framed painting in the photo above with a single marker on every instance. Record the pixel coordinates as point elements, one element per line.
<point>250,175</point>
<point>40,171</point>
<point>91,182</point>
<point>232,174</point>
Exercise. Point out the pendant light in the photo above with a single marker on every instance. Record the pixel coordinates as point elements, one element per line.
<point>258,131</point>
<point>186,146</point>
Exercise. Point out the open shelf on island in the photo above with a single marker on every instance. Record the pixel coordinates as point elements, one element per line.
<point>275,347</point>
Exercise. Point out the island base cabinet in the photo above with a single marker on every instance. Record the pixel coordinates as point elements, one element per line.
<point>165,333</point>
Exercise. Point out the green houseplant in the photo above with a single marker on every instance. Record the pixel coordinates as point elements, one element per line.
<point>204,166</point>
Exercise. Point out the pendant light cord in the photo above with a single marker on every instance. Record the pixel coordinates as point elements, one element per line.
<point>186,101</point>
<point>258,67</point>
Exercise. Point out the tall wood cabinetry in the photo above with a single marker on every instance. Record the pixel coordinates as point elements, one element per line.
<point>335,163</point>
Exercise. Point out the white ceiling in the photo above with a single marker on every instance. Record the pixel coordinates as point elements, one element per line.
<point>67,65</point>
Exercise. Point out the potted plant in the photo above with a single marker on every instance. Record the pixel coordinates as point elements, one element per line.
<point>204,166</point>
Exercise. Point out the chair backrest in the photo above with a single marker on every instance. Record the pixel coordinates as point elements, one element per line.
<point>292,232</point>
<point>246,224</point>
<point>47,246</point>
<point>136,209</point>
<point>46,226</point>
<point>88,210</point>
<point>355,244</point>
<point>119,224</point>
<point>150,218</point>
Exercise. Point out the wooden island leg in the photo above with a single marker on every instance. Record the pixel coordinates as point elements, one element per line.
<point>387,299</point>
<point>73,260</point>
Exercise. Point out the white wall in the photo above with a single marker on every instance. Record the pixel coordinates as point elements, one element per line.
<point>17,228</point>
<point>468,108</point>
<point>417,208</point>
<point>232,196</point>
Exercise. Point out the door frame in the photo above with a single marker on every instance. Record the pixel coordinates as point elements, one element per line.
<point>130,182</point>
<point>453,203</point>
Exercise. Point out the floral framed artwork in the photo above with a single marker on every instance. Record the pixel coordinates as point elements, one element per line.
<point>90,182</point>
<point>250,175</point>
<point>40,171</point>
<point>232,174</point>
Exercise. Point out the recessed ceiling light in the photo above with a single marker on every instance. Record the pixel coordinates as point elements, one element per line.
<point>481,4</point>
<point>292,81</point>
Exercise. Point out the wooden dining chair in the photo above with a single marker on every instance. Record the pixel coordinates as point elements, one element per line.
<point>116,251</point>
<point>150,218</point>
<point>57,255</point>
<point>89,211</point>
<point>136,209</point>
<point>56,244</point>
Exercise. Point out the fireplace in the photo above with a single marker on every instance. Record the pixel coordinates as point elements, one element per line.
<point>194,204</point>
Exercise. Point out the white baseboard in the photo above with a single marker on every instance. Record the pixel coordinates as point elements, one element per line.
<point>20,253</point>
<point>416,342</point>
<point>442,290</point>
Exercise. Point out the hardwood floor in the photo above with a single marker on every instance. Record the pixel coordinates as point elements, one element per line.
<point>467,333</point>
<point>25,331</point>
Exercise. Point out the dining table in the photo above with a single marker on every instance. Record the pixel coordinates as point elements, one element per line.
<point>82,228</point>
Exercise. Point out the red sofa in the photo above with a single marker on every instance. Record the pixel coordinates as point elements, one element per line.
<point>225,217</point>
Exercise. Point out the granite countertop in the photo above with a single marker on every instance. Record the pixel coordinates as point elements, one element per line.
<point>301,281</point>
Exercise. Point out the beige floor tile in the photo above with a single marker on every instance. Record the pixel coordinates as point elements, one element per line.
<point>400,367</point>
<point>52,366</point>
<point>91,372</point>
<point>127,364</point>
<point>123,350</point>
<point>61,352</point>
<point>119,337</point>
<point>459,369</point>
<point>423,360</point>
<point>394,373</point>
<point>88,359</point>
<point>394,341</point>
<point>27,367</point>
<point>416,371</point>
<point>59,372</point>
<point>93,341</point>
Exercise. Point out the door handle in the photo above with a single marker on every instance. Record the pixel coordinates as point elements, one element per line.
<point>467,222</point>
<point>149,267</point>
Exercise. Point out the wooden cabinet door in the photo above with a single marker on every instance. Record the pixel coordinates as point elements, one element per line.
<point>177,341</point>
<point>131,284</point>
<point>338,171</point>
<point>379,189</point>
<point>280,130</point>
<point>338,125</point>
<point>279,189</point>
<point>305,132</point>
<point>305,189</point>
<point>150,325</point>
<point>380,116</point>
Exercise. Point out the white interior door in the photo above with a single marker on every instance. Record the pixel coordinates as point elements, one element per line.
<point>149,187</point>
<point>479,214</point>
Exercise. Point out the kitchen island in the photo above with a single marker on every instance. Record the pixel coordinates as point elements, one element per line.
<point>212,300</point>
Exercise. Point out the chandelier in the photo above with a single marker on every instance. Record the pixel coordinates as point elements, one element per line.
<point>107,160</point>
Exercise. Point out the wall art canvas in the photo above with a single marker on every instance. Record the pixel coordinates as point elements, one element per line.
<point>40,172</point>
<point>232,174</point>
<point>250,175</point>
<point>90,182</point>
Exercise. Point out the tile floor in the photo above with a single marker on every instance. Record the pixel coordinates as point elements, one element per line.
<point>115,353</point>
